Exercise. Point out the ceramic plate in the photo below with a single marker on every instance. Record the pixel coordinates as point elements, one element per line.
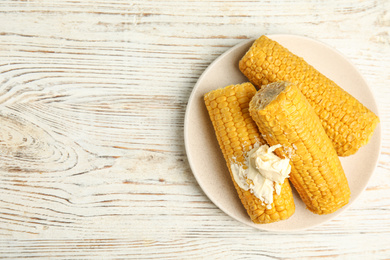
<point>206,159</point>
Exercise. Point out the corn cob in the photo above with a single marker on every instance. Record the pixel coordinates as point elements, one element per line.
<point>237,133</point>
<point>284,116</point>
<point>347,122</point>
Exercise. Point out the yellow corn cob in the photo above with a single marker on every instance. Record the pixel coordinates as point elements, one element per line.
<point>237,133</point>
<point>347,122</point>
<point>284,116</point>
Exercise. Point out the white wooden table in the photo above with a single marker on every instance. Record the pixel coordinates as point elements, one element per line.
<point>92,102</point>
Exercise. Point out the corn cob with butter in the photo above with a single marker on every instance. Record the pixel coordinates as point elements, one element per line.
<point>347,122</point>
<point>284,116</point>
<point>237,133</point>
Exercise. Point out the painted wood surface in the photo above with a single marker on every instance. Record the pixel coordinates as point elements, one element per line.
<point>92,102</point>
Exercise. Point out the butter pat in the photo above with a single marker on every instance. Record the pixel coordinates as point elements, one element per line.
<point>270,165</point>
<point>263,172</point>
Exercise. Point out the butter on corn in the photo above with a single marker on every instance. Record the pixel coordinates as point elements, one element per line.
<point>347,122</point>
<point>263,173</point>
<point>237,134</point>
<point>284,116</point>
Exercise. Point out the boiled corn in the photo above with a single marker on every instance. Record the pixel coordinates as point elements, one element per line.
<point>237,133</point>
<point>284,116</point>
<point>347,122</point>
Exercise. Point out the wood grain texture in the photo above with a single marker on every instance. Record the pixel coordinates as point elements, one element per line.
<point>92,102</point>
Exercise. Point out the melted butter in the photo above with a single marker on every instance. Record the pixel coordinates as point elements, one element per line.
<point>263,172</point>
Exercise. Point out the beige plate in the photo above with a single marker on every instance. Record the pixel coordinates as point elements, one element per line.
<point>206,159</point>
